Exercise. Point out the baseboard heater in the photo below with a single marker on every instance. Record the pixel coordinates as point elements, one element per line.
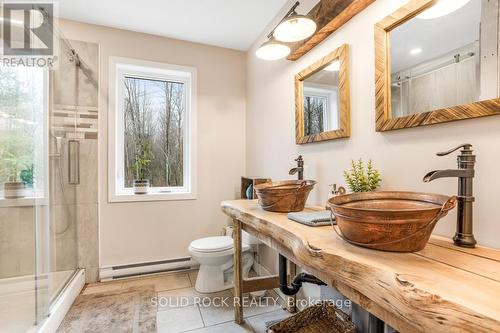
<point>143,268</point>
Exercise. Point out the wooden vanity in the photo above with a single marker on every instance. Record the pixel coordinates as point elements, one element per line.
<point>443,288</point>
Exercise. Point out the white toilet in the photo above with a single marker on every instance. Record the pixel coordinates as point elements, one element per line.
<point>215,256</point>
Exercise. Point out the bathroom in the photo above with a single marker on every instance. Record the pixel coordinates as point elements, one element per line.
<point>83,233</point>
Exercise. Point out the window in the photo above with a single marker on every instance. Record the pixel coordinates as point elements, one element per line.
<point>320,109</point>
<point>316,107</point>
<point>23,107</point>
<point>152,108</point>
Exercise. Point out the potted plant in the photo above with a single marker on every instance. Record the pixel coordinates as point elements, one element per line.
<point>14,166</point>
<point>142,161</point>
<point>359,180</point>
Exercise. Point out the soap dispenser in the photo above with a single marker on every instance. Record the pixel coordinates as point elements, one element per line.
<point>335,192</point>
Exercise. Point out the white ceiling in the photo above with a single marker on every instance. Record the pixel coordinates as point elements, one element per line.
<point>435,37</point>
<point>234,24</point>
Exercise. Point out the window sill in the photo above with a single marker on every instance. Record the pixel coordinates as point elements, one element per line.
<point>158,196</point>
<point>21,202</point>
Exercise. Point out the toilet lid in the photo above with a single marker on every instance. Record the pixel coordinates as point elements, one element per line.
<point>212,244</point>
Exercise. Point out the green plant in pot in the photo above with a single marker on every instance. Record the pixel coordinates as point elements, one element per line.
<point>14,165</point>
<point>26,175</point>
<point>141,165</point>
<point>362,179</point>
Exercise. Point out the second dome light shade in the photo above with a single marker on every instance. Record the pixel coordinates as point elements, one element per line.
<point>294,28</point>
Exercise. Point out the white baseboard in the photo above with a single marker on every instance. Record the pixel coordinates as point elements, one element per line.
<point>62,305</point>
<point>123,271</point>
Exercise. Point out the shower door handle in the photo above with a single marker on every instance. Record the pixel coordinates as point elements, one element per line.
<point>74,162</point>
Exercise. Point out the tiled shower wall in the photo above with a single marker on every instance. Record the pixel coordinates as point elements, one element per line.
<point>16,241</point>
<point>74,116</point>
<point>73,226</point>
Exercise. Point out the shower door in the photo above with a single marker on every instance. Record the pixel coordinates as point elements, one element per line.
<point>38,229</point>
<point>24,197</point>
<point>62,230</point>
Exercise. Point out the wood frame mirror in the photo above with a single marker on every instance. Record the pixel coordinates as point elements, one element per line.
<point>384,119</point>
<point>343,129</point>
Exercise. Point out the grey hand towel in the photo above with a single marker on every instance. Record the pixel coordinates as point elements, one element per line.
<point>312,219</point>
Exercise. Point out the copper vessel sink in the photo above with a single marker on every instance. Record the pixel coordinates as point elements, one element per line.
<point>284,196</point>
<point>389,221</point>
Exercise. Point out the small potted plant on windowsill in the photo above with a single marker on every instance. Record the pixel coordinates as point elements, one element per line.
<point>14,167</point>
<point>141,169</point>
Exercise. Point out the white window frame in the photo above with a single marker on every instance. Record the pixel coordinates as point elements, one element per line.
<point>332,102</point>
<point>119,68</point>
<point>40,194</point>
<point>326,103</point>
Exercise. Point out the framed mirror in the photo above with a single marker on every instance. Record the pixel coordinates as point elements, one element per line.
<point>437,61</point>
<point>322,99</point>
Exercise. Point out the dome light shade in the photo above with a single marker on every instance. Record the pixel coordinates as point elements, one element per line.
<point>294,28</point>
<point>442,8</point>
<point>272,50</point>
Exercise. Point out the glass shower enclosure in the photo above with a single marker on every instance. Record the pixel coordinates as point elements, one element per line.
<point>38,178</point>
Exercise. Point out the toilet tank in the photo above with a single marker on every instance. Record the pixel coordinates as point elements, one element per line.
<point>249,239</point>
<point>245,236</point>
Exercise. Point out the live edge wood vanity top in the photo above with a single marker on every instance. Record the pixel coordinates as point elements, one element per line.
<point>442,288</point>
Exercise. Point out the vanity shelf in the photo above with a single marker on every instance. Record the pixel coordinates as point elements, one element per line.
<point>247,181</point>
<point>442,288</point>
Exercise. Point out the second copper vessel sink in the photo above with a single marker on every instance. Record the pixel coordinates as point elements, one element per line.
<point>389,221</point>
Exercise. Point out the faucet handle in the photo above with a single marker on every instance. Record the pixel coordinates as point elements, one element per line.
<point>300,161</point>
<point>466,149</point>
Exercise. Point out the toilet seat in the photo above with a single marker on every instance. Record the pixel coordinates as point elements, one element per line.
<point>212,244</point>
<point>219,245</point>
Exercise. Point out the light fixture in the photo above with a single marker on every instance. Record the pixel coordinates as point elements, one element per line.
<point>442,8</point>
<point>292,28</point>
<point>333,67</point>
<point>272,50</point>
<point>295,28</point>
<point>416,51</point>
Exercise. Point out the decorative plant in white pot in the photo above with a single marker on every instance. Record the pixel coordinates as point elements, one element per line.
<point>141,168</point>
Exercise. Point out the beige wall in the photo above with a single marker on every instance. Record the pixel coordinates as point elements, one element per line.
<point>147,231</point>
<point>403,156</point>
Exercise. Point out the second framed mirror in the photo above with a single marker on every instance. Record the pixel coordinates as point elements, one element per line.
<point>437,61</point>
<point>322,99</point>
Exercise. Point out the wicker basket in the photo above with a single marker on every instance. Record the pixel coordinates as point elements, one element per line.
<point>284,196</point>
<point>319,318</point>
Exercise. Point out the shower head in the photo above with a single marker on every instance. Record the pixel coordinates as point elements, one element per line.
<point>74,57</point>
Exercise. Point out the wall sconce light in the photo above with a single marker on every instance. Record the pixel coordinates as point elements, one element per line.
<point>442,8</point>
<point>292,28</point>
<point>272,50</point>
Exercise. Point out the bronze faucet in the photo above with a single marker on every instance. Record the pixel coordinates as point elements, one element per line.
<point>299,169</point>
<point>465,174</point>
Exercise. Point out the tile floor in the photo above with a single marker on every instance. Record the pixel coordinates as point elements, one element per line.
<point>182,309</point>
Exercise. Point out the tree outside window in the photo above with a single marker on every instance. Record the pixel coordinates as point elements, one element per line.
<point>314,111</point>
<point>21,96</point>
<point>154,114</point>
